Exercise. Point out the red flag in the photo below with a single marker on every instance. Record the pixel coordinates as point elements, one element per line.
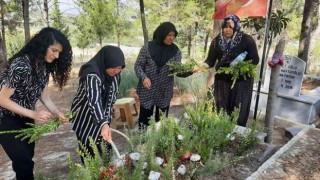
<point>241,8</point>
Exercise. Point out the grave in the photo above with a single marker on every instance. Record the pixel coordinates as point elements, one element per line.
<point>291,104</point>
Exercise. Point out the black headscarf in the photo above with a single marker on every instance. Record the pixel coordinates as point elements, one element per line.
<point>107,57</point>
<point>160,52</point>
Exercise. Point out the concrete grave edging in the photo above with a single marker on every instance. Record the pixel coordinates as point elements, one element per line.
<point>262,169</point>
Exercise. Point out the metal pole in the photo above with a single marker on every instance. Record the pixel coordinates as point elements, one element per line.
<point>263,57</point>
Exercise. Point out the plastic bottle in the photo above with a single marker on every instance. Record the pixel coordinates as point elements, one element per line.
<point>239,58</point>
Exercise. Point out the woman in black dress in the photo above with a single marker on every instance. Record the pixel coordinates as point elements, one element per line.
<point>223,50</point>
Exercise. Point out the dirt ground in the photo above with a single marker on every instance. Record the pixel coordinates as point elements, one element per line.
<point>53,149</point>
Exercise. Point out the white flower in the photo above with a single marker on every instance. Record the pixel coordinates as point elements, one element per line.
<point>231,137</point>
<point>186,116</point>
<point>145,165</point>
<point>180,137</point>
<point>158,125</point>
<point>176,120</point>
<point>119,163</point>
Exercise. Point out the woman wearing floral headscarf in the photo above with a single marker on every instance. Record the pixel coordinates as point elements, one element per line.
<point>223,50</point>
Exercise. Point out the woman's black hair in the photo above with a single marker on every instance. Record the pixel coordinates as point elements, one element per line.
<point>36,48</point>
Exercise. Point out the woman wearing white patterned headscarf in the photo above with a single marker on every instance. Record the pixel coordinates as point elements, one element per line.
<point>223,50</point>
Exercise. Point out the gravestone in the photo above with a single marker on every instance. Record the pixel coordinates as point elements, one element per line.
<point>293,106</point>
<point>290,77</point>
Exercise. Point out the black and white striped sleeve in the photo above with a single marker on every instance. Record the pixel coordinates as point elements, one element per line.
<point>94,95</point>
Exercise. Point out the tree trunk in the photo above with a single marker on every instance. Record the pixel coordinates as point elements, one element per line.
<point>3,56</point>
<point>143,22</point>
<point>206,40</point>
<point>195,39</point>
<point>315,33</point>
<point>310,7</point>
<point>273,88</point>
<point>189,42</point>
<point>46,12</point>
<point>118,26</point>
<point>210,78</point>
<point>25,8</point>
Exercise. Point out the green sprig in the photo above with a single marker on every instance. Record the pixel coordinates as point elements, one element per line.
<point>35,131</point>
<point>243,69</point>
<point>180,68</point>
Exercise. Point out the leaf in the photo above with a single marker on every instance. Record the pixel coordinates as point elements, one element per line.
<point>242,69</point>
<point>35,131</point>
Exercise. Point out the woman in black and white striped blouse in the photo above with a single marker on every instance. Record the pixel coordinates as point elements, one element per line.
<point>22,84</point>
<point>98,89</point>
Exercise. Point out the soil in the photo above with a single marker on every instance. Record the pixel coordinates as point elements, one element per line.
<point>53,149</point>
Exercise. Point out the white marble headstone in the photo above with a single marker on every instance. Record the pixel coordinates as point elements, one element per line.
<point>290,77</point>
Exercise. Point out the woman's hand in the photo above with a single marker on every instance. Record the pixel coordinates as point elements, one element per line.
<point>41,116</point>
<point>106,133</point>
<point>62,117</point>
<point>201,68</point>
<point>147,83</point>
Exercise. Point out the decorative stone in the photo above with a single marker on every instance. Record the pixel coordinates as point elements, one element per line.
<point>195,157</point>
<point>154,175</point>
<point>182,169</point>
<point>135,156</point>
<point>159,160</point>
<point>180,137</point>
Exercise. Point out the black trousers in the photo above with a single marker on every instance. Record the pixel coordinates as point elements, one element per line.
<point>19,152</point>
<point>145,115</point>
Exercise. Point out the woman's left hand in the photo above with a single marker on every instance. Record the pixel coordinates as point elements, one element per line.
<point>106,133</point>
<point>62,117</point>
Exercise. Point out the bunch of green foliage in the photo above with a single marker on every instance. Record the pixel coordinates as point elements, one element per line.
<point>180,68</point>
<point>35,131</point>
<point>248,140</point>
<point>210,128</point>
<point>243,69</point>
<point>161,139</point>
<point>91,168</point>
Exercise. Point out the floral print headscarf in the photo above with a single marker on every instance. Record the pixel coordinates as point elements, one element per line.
<point>227,44</point>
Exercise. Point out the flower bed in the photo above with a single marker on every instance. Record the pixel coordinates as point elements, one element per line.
<point>184,148</point>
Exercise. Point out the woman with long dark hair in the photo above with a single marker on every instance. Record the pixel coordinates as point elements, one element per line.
<point>23,82</point>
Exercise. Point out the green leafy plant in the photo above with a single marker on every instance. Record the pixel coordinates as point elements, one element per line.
<point>243,69</point>
<point>248,140</point>
<point>35,131</point>
<point>180,68</point>
<point>210,128</point>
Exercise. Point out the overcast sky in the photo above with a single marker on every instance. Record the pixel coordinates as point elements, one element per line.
<point>68,7</point>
